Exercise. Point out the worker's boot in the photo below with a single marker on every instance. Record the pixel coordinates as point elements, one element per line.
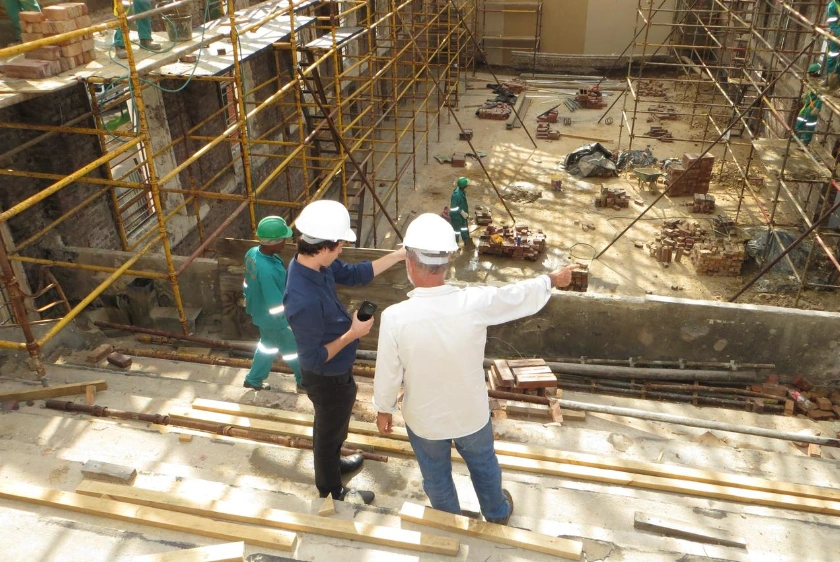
<point>150,45</point>
<point>121,53</point>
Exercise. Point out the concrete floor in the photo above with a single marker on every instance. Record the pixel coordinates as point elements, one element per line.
<point>48,448</point>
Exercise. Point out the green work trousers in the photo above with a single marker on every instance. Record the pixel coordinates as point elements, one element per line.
<point>271,342</point>
<point>15,7</point>
<point>144,26</point>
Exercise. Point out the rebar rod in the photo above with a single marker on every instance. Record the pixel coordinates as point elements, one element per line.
<point>199,425</point>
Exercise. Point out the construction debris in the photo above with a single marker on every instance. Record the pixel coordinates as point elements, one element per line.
<point>722,259</point>
<point>459,160</point>
<point>677,237</point>
<point>523,376</point>
<point>515,85</point>
<point>519,242</point>
<point>649,88</point>
<point>497,111</point>
<point>660,133</point>
<point>663,112</point>
<point>549,116</point>
<point>466,134</point>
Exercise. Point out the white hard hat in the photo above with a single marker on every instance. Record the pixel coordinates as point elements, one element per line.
<point>432,236</point>
<point>325,220</point>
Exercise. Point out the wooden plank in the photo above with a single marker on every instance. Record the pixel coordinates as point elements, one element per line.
<point>108,472</point>
<point>537,370</point>
<point>666,471</point>
<point>728,493</point>
<point>44,393</point>
<point>247,513</point>
<point>366,442</point>
<point>689,531</point>
<point>505,374</point>
<point>269,538</point>
<point>502,534</point>
<point>90,395</point>
<point>227,552</point>
<point>536,362</point>
<point>273,414</point>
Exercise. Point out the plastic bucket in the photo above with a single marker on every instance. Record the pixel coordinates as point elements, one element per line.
<point>179,28</point>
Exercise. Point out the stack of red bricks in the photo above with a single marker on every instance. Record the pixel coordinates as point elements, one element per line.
<point>721,258</point>
<point>544,131</point>
<point>515,85</point>
<point>580,280</point>
<point>482,215</point>
<point>703,203</point>
<point>614,197</point>
<point>684,181</point>
<point>678,236</point>
<point>53,59</point>
<point>519,243</point>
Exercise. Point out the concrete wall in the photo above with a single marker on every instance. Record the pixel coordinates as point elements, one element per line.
<point>571,27</point>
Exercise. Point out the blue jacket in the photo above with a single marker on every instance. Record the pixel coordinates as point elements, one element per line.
<point>317,316</point>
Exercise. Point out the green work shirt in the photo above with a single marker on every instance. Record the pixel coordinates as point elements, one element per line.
<point>264,286</point>
<point>458,203</point>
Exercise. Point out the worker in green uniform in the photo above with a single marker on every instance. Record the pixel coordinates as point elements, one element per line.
<point>15,7</point>
<point>459,211</point>
<point>806,121</point>
<point>833,57</point>
<point>264,287</point>
<point>144,30</point>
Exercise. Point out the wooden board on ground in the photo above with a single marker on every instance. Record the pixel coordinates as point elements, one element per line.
<point>247,513</point>
<point>689,531</point>
<point>505,375</point>
<point>535,362</point>
<point>108,472</point>
<point>502,534</point>
<point>44,393</point>
<point>273,414</point>
<point>269,538</point>
<point>227,552</point>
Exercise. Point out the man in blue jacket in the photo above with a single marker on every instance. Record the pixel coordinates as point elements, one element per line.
<point>264,287</point>
<point>327,336</point>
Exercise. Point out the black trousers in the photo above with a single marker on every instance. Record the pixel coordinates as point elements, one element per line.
<point>333,398</point>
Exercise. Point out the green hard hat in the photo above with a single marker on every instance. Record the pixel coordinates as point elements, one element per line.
<point>814,68</point>
<point>273,228</point>
<point>463,182</point>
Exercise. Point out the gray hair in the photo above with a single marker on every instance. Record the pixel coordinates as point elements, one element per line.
<point>421,260</point>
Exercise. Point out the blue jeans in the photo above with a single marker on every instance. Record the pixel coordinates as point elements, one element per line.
<point>435,459</point>
<point>271,342</point>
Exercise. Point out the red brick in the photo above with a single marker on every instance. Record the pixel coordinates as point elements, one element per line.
<point>82,22</point>
<point>31,27</point>
<point>65,65</point>
<point>77,9</point>
<point>88,44</point>
<point>32,17</point>
<point>80,59</point>
<point>58,27</point>
<point>119,360</point>
<point>27,37</point>
<point>98,354</point>
<point>50,52</point>
<point>59,12</point>
<point>89,56</point>
<point>72,50</point>
<point>28,68</point>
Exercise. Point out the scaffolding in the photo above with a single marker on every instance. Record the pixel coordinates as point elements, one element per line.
<point>350,95</point>
<point>740,71</point>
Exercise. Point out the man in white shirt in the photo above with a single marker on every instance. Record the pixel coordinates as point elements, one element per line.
<point>432,345</point>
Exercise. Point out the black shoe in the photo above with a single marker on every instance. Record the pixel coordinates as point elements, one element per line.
<point>365,495</point>
<point>263,386</point>
<point>351,462</point>
<point>504,520</point>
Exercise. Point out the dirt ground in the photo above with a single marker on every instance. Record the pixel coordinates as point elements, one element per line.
<point>522,174</point>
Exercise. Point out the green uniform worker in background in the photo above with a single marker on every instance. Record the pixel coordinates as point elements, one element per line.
<point>833,21</point>
<point>144,30</point>
<point>806,121</point>
<point>459,212</point>
<point>15,7</point>
<point>264,287</point>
